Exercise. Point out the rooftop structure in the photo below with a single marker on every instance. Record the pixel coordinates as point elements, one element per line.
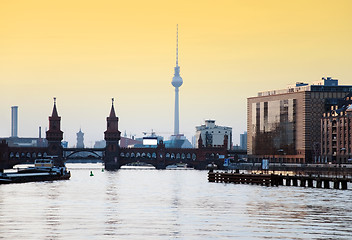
<point>325,85</point>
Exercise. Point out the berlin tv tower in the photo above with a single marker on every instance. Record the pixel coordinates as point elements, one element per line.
<point>176,82</point>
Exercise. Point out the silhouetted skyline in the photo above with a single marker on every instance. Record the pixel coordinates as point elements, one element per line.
<point>85,53</point>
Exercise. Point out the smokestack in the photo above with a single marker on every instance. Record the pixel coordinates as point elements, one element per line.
<point>40,132</point>
<point>14,121</point>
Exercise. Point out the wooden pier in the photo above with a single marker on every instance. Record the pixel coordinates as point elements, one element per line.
<point>279,179</point>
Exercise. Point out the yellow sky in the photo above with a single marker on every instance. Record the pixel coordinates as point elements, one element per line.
<point>85,52</point>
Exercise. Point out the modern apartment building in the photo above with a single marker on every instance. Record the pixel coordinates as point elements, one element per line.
<point>243,141</point>
<point>336,131</point>
<point>285,125</point>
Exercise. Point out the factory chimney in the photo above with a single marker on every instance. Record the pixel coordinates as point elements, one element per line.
<point>14,121</point>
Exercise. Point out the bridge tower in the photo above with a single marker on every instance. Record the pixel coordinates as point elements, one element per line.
<point>54,136</point>
<point>112,138</point>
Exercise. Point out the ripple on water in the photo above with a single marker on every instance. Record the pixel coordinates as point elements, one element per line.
<point>152,204</point>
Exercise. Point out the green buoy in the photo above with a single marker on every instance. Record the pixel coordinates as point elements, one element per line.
<point>91,173</point>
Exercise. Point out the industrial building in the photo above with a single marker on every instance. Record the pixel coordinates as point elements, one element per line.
<point>15,141</point>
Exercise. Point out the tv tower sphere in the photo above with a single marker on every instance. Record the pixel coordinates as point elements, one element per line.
<point>177,79</point>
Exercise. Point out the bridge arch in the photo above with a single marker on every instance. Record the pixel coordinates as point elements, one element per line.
<point>70,155</point>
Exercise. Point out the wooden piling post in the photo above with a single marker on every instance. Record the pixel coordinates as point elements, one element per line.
<point>336,184</point>
<point>303,182</point>
<point>319,183</point>
<point>310,182</point>
<point>344,184</point>
<point>326,184</point>
<point>288,181</point>
<point>281,180</point>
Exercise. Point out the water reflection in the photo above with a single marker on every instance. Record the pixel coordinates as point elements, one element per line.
<point>51,209</point>
<point>112,202</point>
<point>153,204</point>
<point>313,213</point>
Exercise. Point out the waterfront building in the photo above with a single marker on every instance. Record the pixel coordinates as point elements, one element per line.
<point>213,135</point>
<point>26,141</point>
<point>243,141</point>
<point>285,125</point>
<point>80,139</point>
<point>100,144</point>
<point>336,131</point>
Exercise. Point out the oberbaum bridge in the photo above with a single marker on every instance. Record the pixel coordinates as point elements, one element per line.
<point>112,155</point>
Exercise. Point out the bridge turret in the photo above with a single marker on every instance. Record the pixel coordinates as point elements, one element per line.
<point>200,141</point>
<point>54,135</point>
<point>112,138</point>
<point>226,141</point>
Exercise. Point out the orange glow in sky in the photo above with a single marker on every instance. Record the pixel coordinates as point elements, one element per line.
<point>86,52</point>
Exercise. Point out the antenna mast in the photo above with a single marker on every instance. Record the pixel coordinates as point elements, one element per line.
<point>177,45</point>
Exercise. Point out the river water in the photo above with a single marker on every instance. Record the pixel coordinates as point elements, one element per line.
<point>168,204</point>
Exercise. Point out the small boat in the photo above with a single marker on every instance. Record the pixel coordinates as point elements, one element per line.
<point>212,166</point>
<point>43,170</point>
<point>178,166</point>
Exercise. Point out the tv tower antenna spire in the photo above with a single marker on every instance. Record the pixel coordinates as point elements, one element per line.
<point>176,45</point>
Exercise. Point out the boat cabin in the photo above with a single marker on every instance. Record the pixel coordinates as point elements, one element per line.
<point>43,163</point>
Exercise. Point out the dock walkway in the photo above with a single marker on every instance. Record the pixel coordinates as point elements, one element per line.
<point>279,179</point>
